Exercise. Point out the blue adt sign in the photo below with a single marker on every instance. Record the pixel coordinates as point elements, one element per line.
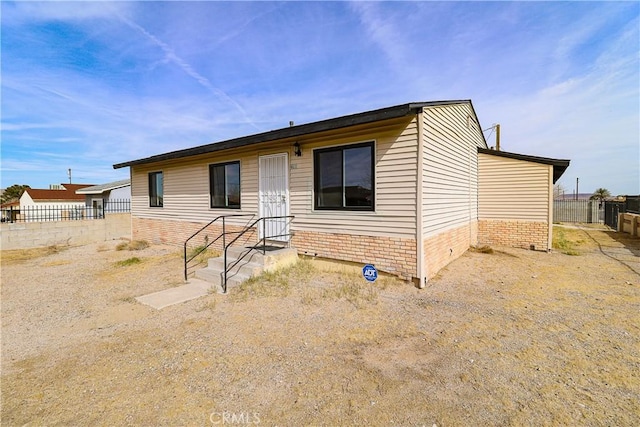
<point>370,273</point>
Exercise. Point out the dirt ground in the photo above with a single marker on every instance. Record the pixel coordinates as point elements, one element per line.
<point>513,337</point>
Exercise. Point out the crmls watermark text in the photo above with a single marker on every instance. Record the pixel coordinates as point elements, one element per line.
<point>234,418</point>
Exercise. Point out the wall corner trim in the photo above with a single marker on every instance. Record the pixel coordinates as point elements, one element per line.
<point>420,267</point>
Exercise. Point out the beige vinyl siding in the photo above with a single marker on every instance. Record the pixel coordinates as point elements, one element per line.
<point>512,189</point>
<point>395,185</point>
<point>450,171</point>
<point>186,187</point>
<point>186,182</point>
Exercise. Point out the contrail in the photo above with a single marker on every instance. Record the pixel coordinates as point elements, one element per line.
<point>188,69</point>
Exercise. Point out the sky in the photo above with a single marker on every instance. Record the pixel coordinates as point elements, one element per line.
<point>85,85</point>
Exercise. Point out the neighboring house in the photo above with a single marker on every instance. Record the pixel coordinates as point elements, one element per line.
<point>396,187</point>
<point>52,205</point>
<point>105,198</point>
<point>9,211</point>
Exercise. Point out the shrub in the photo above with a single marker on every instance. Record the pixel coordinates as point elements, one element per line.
<point>129,261</point>
<point>135,245</point>
<point>138,245</point>
<point>563,244</point>
<point>482,249</point>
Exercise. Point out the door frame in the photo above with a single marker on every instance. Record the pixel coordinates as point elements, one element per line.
<point>261,210</point>
<point>97,206</point>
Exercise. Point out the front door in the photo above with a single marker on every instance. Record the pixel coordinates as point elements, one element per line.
<point>274,196</point>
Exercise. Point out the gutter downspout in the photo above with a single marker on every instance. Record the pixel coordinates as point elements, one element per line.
<point>419,187</point>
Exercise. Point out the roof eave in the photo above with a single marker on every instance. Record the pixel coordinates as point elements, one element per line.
<point>295,131</point>
<point>100,189</point>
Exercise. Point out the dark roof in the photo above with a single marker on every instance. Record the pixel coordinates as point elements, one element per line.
<point>99,189</point>
<point>68,194</point>
<point>10,204</point>
<point>559,165</point>
<point>299,130</point>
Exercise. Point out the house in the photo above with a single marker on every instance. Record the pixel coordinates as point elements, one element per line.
<point>9,211</point>
<point>398,187</point>
<point>111,197</point>
<point>62,202</point>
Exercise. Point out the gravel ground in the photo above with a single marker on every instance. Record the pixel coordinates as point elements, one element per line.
<point>508,338</point>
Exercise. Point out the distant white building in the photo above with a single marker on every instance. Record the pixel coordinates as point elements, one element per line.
<point>111,197</point>
<point>52,205</point>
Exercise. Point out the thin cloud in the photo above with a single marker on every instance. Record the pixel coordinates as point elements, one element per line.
<point>171,56</point>
<point>109,82</point>
<point>245,25</point>
<point>592,120</point>
<point>19,12</point>
<point>383,31</point>
<point>99,126</point>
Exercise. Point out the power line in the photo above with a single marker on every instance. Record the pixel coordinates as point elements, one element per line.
<point>496,127</point>
<point>491,133</point>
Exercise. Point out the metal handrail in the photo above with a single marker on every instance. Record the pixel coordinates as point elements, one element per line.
<point>263,240</point>
<point>222,235</point>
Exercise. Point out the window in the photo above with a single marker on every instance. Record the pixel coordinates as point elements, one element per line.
<point>224,185</point>
<point>343,177</point>
<point>156,189</point>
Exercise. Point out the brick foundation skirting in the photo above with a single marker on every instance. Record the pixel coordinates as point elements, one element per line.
<point>171,232</point>
<point>441,249</point>
<point>517,234</point>
<point>389,254</point>
<point>392,255</point>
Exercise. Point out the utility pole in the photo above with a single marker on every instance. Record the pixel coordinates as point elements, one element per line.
<point>577,180</point>
<point>69,173</point>
<point>498,136</point>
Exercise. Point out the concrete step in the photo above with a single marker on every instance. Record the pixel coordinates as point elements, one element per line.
<point>269,260</point>
<point>216,277</point>
<point>271,254</point>
<point>243,266</point>
<point>253,263</point>
<point>161,299</point>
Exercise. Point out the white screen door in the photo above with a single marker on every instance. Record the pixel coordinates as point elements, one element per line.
<point>274,196</point>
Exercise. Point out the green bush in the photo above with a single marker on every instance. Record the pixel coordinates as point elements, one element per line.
<point>129,261</point>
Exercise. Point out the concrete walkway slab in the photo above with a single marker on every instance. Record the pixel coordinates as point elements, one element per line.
<point>194,289</point>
